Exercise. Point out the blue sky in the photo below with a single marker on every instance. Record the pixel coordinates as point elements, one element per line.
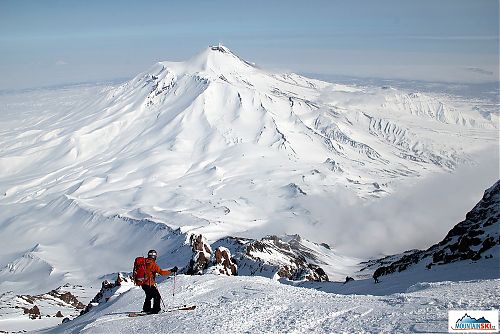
<point>54,42</point>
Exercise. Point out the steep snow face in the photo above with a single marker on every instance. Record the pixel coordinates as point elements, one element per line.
<point>214,145</point>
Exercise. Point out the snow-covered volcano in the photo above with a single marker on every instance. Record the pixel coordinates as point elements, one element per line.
<point>213,145</point>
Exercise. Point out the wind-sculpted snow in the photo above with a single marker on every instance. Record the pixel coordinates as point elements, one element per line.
<point>411,146</point>
<point>330,130</point>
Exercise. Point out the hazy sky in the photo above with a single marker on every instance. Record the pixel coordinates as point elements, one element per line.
<point>52,42</point>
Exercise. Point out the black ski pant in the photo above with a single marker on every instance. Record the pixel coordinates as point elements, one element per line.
<point>151,293</point>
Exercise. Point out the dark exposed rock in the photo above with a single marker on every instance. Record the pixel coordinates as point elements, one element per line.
<point>311,273</point>
<point>33,313</point>
<point>59,314</point>
<point>68,298</point>
<point>55,298</point>
<point>489,243</point>
<point>199,243</point>
<point>205,260</point>
<point>256,256</point>
<point>223,262</point>
<point>324,244</point>
<point>120,279</point>
<point>294,190</point>
<point>107,290</point>
<point>348,279</point>
<point>273,256</point>
<point>202,252</point>
<point>28,298</point>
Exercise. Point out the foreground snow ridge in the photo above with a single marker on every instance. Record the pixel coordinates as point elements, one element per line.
<point>260,305</point>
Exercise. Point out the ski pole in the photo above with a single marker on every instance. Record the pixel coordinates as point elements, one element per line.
<point>164,307</point>
<point>173,290</point>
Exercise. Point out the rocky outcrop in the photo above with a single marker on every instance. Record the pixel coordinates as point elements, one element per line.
<point>312,272</point>
<point>275,257</point>
<point>108,289</point>
<point>223,263</point>
<point>473,239</point>
<point>33,313</point>
<point>68,298</point>
<point>204,260</point>
<point>202,253</point>
<point>37,306</point>
<point>271,256</point>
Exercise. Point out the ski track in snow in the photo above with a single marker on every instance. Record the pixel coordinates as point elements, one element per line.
<point>260,305</point>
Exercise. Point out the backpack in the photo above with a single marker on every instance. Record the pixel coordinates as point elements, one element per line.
<point>139,274</point>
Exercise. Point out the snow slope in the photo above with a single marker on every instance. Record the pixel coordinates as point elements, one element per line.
<point>260,305</point>
<point>212,145</point>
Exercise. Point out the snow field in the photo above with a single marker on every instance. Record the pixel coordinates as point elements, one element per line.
<point>260,305</point>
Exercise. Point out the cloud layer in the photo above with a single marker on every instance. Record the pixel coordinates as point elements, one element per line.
<point>417,215</point>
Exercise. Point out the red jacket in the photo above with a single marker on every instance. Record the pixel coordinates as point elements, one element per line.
<point>152,269</point>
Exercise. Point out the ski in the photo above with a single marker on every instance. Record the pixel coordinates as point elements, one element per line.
<point>177,308</point>
<point>181,308</point>
<point>137,314</point>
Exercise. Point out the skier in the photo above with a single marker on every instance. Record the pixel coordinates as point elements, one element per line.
<point>149,285</point>
<point>377,274</point>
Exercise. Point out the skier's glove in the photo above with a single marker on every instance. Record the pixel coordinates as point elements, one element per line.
<point>174,269</point>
